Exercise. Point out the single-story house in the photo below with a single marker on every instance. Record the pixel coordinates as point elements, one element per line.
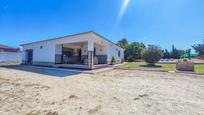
<point>86,50</point>
<point>10,54</point>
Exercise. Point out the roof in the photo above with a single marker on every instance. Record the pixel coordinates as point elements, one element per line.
<point>89,32</point>
<point>4,48</point>
<point>191,55</point>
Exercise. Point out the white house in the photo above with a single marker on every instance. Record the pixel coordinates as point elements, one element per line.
<point>9,54</point>
<point>86,50</point>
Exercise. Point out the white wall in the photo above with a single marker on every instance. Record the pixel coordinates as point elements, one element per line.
<point>47,53</point>
<point>10,56</point>
<point>44,54</point>
<point>52,47</point>
<point>113,51</point>
<point>100,50</point>
<point>58,49</point>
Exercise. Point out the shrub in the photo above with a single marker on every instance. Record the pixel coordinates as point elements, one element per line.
<point>152,54</point>
<point>113,60</point>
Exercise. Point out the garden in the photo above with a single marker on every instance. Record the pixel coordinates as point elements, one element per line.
<point>150,57</point>
<point>166,67</point>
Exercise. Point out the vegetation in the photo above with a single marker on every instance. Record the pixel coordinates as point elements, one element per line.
<point>152,54</point>
<point>133,51</point>
<point>133,64</point>
<point>199,48</point>
<point>166,54</point>
<point>199,68</point>
<point>175,53</point>
<point>123,43</point>
<point>113,60</point>
<point>167,67</point>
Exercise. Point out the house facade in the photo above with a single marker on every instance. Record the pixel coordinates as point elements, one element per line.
<point>85,50</point>
<point>10,54</point>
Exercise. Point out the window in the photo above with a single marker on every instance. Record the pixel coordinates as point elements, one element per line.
<point>118,53</point>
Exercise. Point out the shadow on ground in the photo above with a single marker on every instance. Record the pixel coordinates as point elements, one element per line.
<point>55,72</point>
<point>151,66</point>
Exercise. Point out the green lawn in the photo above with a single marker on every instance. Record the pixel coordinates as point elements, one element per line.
<point>133,64</point>
<point>168,67</point>
<point>199,68</point>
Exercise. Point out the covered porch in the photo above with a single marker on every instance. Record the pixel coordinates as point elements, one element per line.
<point>83,55</point>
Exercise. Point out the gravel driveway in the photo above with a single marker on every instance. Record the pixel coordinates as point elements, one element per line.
<point>116,92</point>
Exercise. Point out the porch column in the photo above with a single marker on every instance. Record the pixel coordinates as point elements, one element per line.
<point>90,53</point>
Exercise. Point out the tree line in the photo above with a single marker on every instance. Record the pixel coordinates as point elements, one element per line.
<point>134,50</point>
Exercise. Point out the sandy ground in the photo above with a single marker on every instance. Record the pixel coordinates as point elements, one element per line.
<point>31,91</point>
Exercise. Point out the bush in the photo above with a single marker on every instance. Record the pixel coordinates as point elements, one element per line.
<point>152,54</point>
<point>113,60</point>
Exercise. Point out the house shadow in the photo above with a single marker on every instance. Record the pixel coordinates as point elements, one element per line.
<point>54,72</point>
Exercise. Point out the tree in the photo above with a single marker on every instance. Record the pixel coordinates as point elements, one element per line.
<point>176,53</point>
<point>152,54</point>
<point>166,54</point>
<point>199,48</point>
<point>189,53</point>
<point>123,43</point>
<point>133,51</point>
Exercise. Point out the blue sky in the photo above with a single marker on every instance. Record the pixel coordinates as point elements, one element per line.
<point>159,22</point>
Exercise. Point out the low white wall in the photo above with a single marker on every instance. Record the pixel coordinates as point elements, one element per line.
<point>10,56</point>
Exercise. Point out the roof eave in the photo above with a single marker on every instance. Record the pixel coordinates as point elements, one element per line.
<point>91,32</point>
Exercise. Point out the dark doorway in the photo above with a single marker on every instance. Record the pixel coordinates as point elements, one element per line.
<point>29,57</point>
<point>79,55</point>
<point>94,53</point>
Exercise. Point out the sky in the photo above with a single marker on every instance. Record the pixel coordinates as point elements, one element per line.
<point>159,22</point>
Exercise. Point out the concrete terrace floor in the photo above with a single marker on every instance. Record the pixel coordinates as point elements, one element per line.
<point>31,91</point>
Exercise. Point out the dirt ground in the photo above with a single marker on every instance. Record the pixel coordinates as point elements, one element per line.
<point>34,91</point>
